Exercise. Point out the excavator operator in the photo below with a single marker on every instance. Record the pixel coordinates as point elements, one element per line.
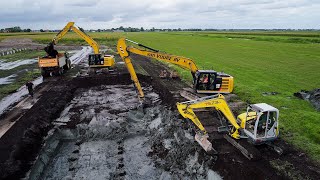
<point>51,51</point>
<point>204,81</point>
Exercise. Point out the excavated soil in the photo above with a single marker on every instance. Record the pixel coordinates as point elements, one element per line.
<point>312,96</point>
<point>97,139</point>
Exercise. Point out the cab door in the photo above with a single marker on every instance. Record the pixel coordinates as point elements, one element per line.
<point>266,126</point>
<point>272,125</point>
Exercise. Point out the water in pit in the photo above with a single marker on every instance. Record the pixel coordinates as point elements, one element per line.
<point>112,140</point>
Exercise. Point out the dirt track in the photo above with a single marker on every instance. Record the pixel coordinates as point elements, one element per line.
<point>156,142</point>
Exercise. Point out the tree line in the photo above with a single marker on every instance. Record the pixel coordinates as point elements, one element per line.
<point>15,29</point>
<point>141,29</point>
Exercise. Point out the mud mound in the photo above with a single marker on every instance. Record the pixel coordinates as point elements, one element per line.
<point>18,147</point>
<point>21,143</point>
<point>312,96</point>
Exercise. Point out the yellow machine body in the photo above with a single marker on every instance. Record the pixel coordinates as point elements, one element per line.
<point>216,83</point>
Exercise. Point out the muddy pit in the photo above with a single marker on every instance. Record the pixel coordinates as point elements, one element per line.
<point>114,140</point>
<point>94,130</point>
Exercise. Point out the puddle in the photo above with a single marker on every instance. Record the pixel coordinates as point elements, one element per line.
<point>14,64</point>
<point>9,100</point>
<point>80,55</point>
<point>8,79</point>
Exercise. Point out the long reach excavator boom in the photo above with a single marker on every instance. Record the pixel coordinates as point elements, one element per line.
<point>204,81</point>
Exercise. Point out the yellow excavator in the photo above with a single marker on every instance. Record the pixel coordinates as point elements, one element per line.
<point>96,60</point>
<point>204,81</point>
<point>259,125</point>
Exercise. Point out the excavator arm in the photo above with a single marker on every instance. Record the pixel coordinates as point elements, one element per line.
<point>182,62</point>
<point>124,52</point>
<point>82,34</point>
<point>216,101</point>
<point>63,32</point>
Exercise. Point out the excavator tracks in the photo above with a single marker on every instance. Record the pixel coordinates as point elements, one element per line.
<point>247,149</point>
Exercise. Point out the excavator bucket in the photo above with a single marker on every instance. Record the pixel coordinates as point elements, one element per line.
<point>205,143</point>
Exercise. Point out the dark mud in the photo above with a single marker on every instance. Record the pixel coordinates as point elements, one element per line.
<point>312,96</point>
<point>21,143</point>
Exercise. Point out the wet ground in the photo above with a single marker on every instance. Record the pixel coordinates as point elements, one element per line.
<point>14,64</point>
<point>12,99</point>
<point>90,127</point>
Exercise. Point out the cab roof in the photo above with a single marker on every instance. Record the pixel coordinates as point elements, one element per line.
<point>262,107</point>
<point>207,71</point>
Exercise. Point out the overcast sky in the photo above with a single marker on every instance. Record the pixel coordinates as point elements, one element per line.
<point>94,14</point>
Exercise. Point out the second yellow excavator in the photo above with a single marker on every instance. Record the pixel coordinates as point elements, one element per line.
<point>259,125</point>
<point>96,60</point>
<point>204,81</point>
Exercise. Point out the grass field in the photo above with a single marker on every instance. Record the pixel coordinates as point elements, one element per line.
<point>283,62</point>
<point>23,73</point>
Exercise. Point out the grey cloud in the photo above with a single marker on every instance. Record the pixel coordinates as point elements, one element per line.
<point>161,13</point>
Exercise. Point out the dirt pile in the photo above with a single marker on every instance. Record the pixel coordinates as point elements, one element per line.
<point>312,96</point>
<point>18,147</point>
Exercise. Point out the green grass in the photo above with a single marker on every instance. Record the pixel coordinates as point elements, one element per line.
<point>284,62</point>
<point>27,54</point>
<point>22,75</point>
<point>20,81</point>
<point>70,38</point>
<point>288,37</point>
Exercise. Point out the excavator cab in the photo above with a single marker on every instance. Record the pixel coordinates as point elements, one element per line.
<point>260,123</point>
<point>95,59</point>
<point>207,81</point>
